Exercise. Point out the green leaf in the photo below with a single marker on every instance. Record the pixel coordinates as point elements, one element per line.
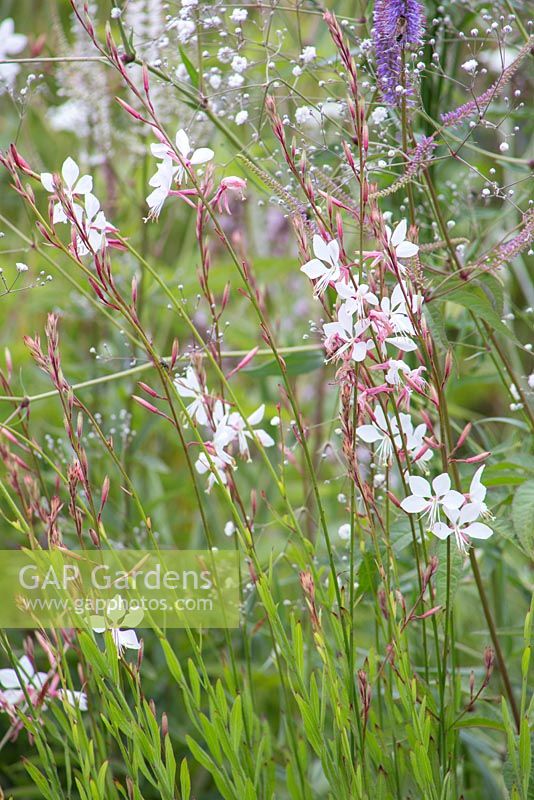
<point>185,780</point>
<point>523,515</point>
<point>190,67</point>
<point>479,722</point>
<point>296,364</point>
<point>477,302</point>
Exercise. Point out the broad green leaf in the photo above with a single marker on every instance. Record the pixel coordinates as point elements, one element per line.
<point>523,515</point>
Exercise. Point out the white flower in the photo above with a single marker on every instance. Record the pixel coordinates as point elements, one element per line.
<point>235,80</point>
<point>239,64</point>
<point>215,80</point>
<point>463,526</point>
<point>325,267</point>
<point>76,699</point>
<point>241,117</point>
<point>233,427</point>
<point>403,248</point>
<point>349,332</point>
<point>116,615</point>
<point>21,267</point>
<point>189,386</point>
<point>470,66</point>
<point>229,528</point>
<point>162,183</point>
<point>308,116</point>
<point>30,679</point>
<point>94,224</point>
<point>429,498</point>
<point>72,186</point>
<point>477,493</point>
<point>356,299</point>
<point>189,156</point>
<point>219,461</point>
<point>344,532</point>
<point>402,436</point>
<point>239,15</point>
<point>308,54</point>
<point>11,44</point>
<point>379,114</point>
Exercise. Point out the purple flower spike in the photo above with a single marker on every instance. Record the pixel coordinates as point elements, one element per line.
<point>397,25</point>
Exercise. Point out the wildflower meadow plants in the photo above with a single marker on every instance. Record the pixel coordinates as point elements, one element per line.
<point>266,289</point>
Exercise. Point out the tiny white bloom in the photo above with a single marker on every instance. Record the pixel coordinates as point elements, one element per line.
<point>239,15</point>
<point>229,529</point>
<point>239,64</point>
<point>470,66</point>
<point>241,117</point>
<point>379,114</point>
<point>21,267</point>
<point>344,532</point>
<point>11,44</point>
<point>308,54</point>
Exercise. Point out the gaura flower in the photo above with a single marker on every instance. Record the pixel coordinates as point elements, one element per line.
<point>72,185</point>
<point>428,499</point>
<point>189,386</point>
<point>234,427</point>
<point>477,493</point>
<point>401,245</point>
<point>13,684</point>
<point>356,298</point>
<point>117,616</point>
<point>345,335</point>
<point>463,526</point>
<point>325,267</point>
<point>191,158</point>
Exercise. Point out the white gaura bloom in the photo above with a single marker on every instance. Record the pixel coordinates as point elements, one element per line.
<point>398,241</point>
<point>348,332</point>
<point>95,225</point>
<point>220,459</point>
<point>477,493</point>
<point>116,617</point>
<point>428,499</point>
<point>161,182</point>
<point>356,298</point>
<point>189,386</point>
<point>76,699</point>
<point>462,525</point>
<point>191,157</point>
<point>72,184</point>
<point>325,267</point>
<point>11,44</point>
<point>235,427</point>
<point>12,685</point>
<point>402,436</point>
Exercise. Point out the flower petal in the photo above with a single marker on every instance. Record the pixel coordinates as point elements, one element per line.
<point>369,433</point>
<point>402,343</point>
<point>202,155</point>
<point>70,172</point>
<point>469,513</point>
<point>441,484</point>
<point>84,185</point>
<point>8,679</point>
<point>407,250</point>
<point>453,499</point>
<point>441,530</point>
<point>182,143</point>
<point>413,504</point>
<point>399,234</point>
<point>47,179</point>
<point>420,486</point>
<point>359,351</point>
<point>256,416</point>
<point>129,639</point>
<point>478,531</point>
<point>320,248</point>
<point>314,268</point>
